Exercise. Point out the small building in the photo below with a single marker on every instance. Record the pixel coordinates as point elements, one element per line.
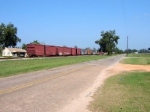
<point>15,52</point>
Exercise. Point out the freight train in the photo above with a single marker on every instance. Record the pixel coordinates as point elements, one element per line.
<point>38,50</point>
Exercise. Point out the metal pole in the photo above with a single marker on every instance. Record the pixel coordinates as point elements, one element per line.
<point>127,47</point>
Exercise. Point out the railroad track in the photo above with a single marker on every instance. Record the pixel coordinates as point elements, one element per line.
<point>21,58</point>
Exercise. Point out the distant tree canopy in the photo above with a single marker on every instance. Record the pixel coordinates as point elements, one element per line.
<point>75,46</point>
<point>143,51</point>
<point>117,50</point>
<point>35,42</point>
<point>94,50</point>
<point>87,48</point>
<point>108,41</point>
<point>8,35</point>
<point>148,48</point>
<point>24,46</point>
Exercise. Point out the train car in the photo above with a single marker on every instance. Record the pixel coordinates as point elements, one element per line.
<point>50,50</point>
<point>83,52</point>
<point>60,51</point>
<point>73,52</point>
<point>89,52</point>
<point>78,51</point>
<point>67,51</point>
<point>35,50</point>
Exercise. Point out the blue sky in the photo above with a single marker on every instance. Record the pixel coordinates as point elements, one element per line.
<point>79,22</point>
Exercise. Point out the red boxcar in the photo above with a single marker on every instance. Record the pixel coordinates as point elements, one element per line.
<point>73,52</point>
<point>67,51</point>
<point>50,50</point>
<point>60,51</point>
<point>35,50</point>
<point>78,51</point>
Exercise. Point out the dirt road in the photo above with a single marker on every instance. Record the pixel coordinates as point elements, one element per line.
<point>63,89</point>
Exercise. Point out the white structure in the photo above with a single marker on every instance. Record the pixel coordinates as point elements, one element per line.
<point>14,52</point>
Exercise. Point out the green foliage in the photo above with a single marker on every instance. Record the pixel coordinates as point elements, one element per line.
<point>108,41</point>
<point>24,46</point>
<point>35,42</point>
<point>117,50</point>
<point>8,35</point>
<point>126,92</point>
<point>87,48</point>
<point>13,67</point>
<point>1,49</point>
<point>75,46</point>
<point>144,51</point>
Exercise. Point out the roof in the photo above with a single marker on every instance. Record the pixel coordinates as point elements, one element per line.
<point>16,50</point>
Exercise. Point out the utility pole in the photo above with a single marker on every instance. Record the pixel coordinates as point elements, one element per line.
<point>127,47</point>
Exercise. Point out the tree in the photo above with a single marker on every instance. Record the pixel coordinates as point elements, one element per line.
<point>35,42</point>
<point>117,50</point>
<point>24,46</point>
<point>108,41</point>
<point>128,51</point>
<point>8,35</point>
<point>75,46</point>
<point>94,49</point>
<point>143,51</point>
<point>134,50</point>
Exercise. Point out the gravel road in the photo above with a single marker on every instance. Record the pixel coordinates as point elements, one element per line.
<point>52,90</point>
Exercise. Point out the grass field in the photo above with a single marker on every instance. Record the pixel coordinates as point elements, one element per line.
<point>13,67</point>
<point>128,92</point>
<point>138,55</point>
<point>139,59</point>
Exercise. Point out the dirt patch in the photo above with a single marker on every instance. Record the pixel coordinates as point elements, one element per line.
<point>127,67</point>
<point>80,104</point>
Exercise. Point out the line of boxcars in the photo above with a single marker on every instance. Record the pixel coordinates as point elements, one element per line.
<point>48,50</point>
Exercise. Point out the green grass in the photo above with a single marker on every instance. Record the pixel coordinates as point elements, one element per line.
<point>127,92</point>
<point>136,61</point>
<point>13,67</point>
<point>138,55</point>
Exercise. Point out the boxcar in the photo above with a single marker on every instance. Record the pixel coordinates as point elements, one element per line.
<point>83,52</point>
<point>35,50</point>
<point>73,52</point>
<point>89,51</point>
<point>50,50</point>
<point>60,51</point>
<point>78,51</point>
<point>67,51</point>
